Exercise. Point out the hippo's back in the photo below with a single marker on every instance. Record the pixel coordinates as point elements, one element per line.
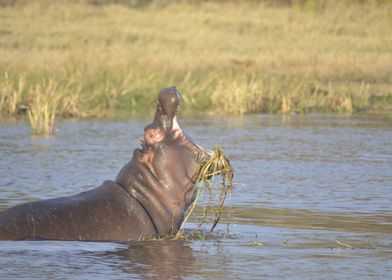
<point>105,213</point>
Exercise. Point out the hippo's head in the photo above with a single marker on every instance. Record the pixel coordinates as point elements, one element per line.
<point>167,150</point>
<point>161,175</point>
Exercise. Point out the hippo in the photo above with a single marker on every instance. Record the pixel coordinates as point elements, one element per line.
<point>148,198</point>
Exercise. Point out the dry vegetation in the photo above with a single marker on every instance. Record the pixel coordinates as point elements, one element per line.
<point>228,57</point>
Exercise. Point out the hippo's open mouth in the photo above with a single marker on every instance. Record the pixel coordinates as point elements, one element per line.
<point>165,129</point>
<point>165,122</point>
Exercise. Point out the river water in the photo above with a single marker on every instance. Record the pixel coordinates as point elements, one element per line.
<point>312,200</point>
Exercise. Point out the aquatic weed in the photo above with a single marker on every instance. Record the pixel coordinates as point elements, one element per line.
<point>218,164</point>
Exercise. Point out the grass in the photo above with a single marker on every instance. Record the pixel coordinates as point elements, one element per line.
<point>218,164</point>
<point>225,57</point>
<point>11,95</point>
<point>42,108</point>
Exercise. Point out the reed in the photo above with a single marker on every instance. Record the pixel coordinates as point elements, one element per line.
<point>11,95</point>
<point>43,103</point>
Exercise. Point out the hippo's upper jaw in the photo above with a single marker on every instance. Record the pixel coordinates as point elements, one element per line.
<point>162,125</point>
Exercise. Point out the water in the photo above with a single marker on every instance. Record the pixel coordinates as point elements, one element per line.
<point>313,200</point>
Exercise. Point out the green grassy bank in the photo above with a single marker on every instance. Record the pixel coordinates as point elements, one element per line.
<point>99,58</point>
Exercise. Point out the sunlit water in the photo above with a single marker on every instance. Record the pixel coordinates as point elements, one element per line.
<point>313,200</point>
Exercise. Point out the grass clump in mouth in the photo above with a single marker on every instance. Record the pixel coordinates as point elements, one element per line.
<point>217,190</point>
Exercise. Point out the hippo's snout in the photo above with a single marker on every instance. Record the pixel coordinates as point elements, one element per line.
<point>168,100</point>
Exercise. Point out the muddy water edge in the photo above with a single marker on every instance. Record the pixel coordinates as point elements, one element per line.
<point>312,199</point>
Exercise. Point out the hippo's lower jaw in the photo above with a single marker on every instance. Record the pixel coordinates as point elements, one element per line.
<point>147,199</point>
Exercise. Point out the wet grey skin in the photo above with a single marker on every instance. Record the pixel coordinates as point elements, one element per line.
<point>147,199</point>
